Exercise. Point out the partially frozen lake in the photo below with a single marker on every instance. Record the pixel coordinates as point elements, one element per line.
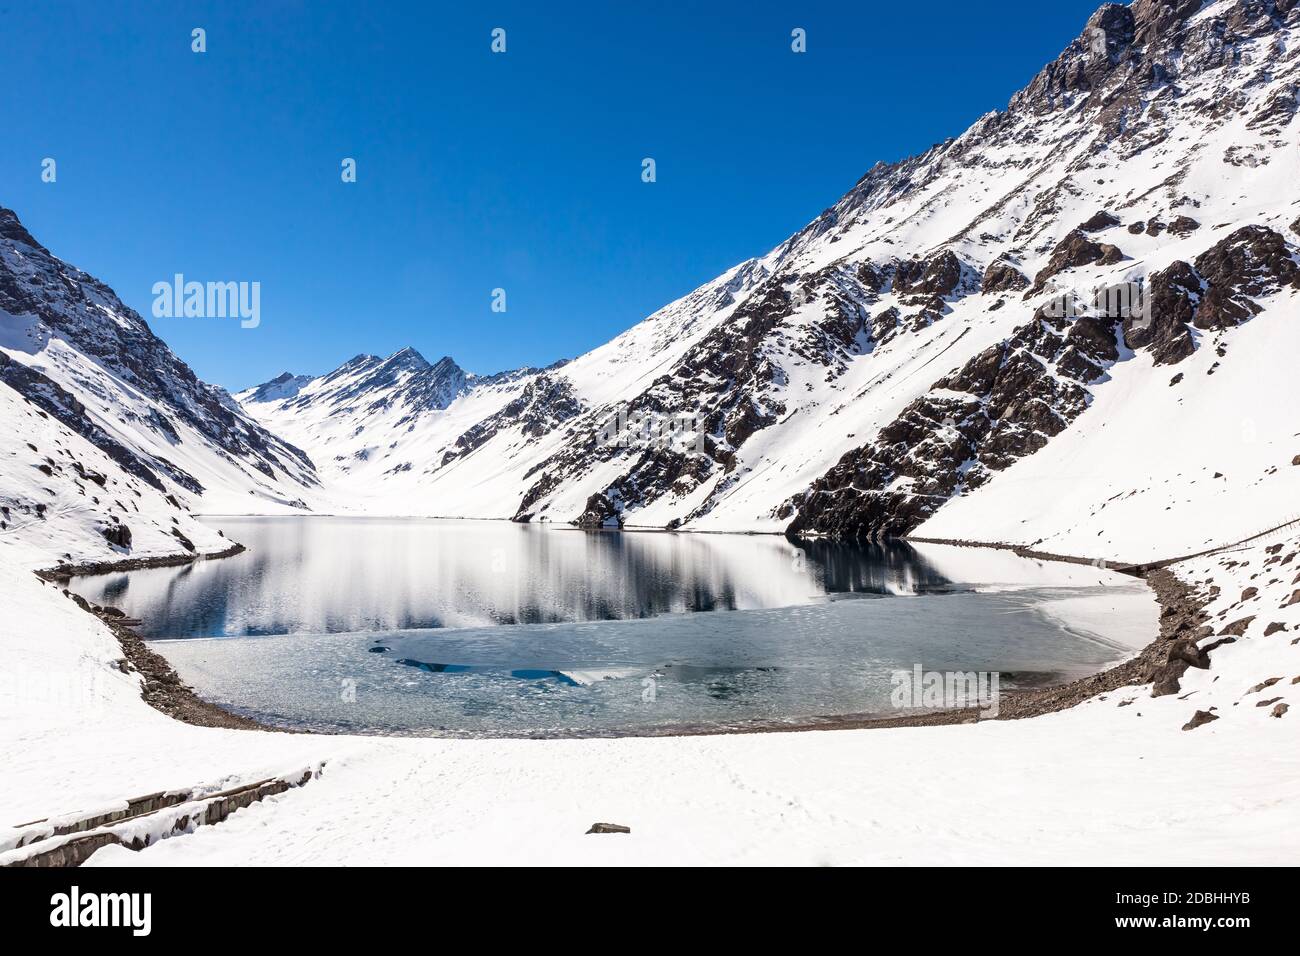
<point>482,628</point>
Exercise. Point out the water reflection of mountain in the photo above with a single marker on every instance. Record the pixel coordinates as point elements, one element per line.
<point>320,575</point>
<point>872,567</point>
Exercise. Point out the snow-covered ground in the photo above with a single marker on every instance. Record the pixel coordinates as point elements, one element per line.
<point>1114,780</point>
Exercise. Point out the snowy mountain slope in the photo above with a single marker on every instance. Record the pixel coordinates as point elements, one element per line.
<point>388,452</point>
<point>375,419</point>
<point>62,499</point>
<point>88,388</point>
<point>902,350</point>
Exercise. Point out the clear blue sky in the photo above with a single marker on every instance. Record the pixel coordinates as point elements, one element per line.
<point>475,170</point>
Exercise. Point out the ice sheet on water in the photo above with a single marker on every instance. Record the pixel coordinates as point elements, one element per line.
<point>600,677</point>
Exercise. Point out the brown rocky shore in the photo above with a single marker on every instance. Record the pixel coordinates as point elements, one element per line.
<point>162,687</point>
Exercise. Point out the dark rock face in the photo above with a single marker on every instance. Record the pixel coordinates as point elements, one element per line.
<point>885,324</point>
<point>1276,114</point>
<point>1002,276</point>
<point>1004,404</point>
<point>1074,250</point>
<point>941,275</point>
<point>1183,226</point>
<point>118,535</point>
<point>1173,294</point>
<point>1253,261</point>
<point>1217,292</point>
<point>725,385</point>
<point>545,404</point>
<point>1085,64</point>
<point>15,231</point>
<point>1153,19</point>
<point>1099,221</point>
<point>600,512</point>
<point>1200,719</point>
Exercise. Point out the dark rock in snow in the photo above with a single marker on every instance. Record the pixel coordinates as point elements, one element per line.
<point>118,535</point>
<point>1099,221</point>
<point>1076,249</point>
<point>1239,627</point>
<point>609,828</point>
<point>600,512</point>
<point>1186,650</point>
<point>1002,276</point>
<point>1004,404</point>
<point>1250,262</point>
<point>940,275</point>
<point>1200,719</point>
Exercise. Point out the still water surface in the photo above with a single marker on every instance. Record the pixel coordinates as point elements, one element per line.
<point>477,628</point>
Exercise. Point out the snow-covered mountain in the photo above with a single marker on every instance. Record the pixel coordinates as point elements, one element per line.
<point>110,440</point>
<point>373,419</point>
<point>901,364</point>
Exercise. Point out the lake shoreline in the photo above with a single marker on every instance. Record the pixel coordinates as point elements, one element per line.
<point>161,687</point>
<point>164,690</point>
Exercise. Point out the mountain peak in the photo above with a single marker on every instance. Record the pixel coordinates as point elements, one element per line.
<point>12,228</point>
<point>408,356</point>
<point>284,386</point>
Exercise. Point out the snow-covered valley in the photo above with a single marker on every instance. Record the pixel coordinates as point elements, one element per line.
<point>939,355</point>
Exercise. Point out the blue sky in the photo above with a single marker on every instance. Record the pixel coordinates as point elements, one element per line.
<point>475,171</point>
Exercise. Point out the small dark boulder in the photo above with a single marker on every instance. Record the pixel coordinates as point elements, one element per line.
<point>1238,627</point>
<point>940,275</point>
<point>118,535</point>
<point>1099,221</point>
<point>1185,649</point>
<point>609,828</point>
<point>1199,719</point>
<point>1165,680</point>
